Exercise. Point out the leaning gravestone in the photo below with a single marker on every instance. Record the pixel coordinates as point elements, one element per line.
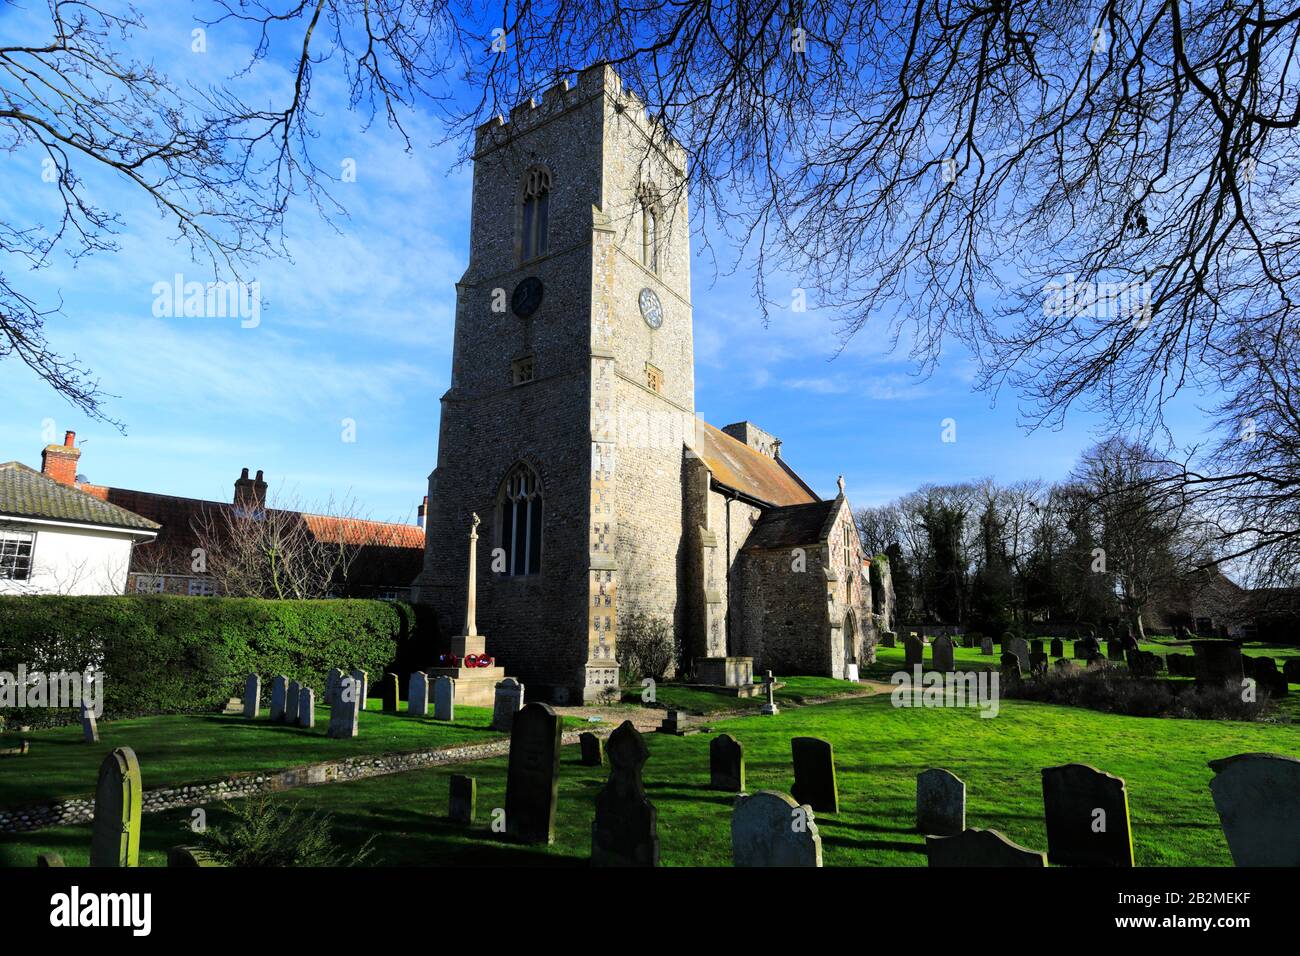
<point>1020,647</point>
<point>307,708</point>
<point>291,697</point>
<point>986,647</point>
<point>508,702</point>
<point>345,709</point>
<point>1258,799</point>
<point>814,774</point>
<point>89,726</point>
<point>979,848</point>
<point>533,773</point>
<point>625,831</point>
<point>115,832</point>
<point>1058,647</point>
<point>771,829</point>
<point>279,689</point>
<point>941,655</point>
<point>390,693</point>
<point>1086,814</point>
<point>940,803</point>
<point>463,800</point>
<point>252,696</point>
<point>1217,662</point>
<point>726,764</point>
<point>417,695</point>
<point>593,750</point>
<point>913,650</point>
<point>444,698</point>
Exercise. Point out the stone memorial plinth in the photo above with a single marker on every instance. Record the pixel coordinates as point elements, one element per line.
<point>725,671</point>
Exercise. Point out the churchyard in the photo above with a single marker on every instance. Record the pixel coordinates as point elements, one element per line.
<point>878,752</point>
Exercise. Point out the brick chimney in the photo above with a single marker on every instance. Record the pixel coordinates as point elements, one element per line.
<point>60,461</point>
<point>250,492</point>
<point>422,511</point>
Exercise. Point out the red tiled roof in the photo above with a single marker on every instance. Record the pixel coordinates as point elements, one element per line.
<point>748,471</point>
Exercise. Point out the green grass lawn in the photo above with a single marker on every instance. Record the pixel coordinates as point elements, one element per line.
<point>698,700</point>
<point>193,748</point>
<point>879,751</point>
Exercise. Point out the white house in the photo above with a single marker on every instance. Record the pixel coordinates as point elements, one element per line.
<point>56,538</point>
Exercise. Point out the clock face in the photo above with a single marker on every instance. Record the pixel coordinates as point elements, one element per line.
<point>526,297</point>
<point>651,310</point>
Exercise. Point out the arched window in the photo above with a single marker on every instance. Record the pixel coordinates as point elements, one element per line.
<point>652,228</point>
<point>519,521</point>
<point>537,191</point>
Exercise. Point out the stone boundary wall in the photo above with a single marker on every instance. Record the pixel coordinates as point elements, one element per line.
<point>54,813</point>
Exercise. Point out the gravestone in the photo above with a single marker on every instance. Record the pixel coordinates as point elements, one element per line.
<point>887,639</point>
<point>361,682</point>
<point>1086,813</point>
<point>593,750</point>
<point>968,641</point>
<point>726,764</point>
<point>1037,662</point>
<point>674,723</point>
<point>444,698</point>
<point>252,696</point>
<point>1258,800</point>
<point>941,655</point>
<point>345,709</point>
<point>986,647</point>
<point>307,708</point>
<point>332,681</point>
<point>914,651</point>
<point>89,726</point>
<point>462,803</point>
<point>940,803</point>
<point>291,697</point>
<point>1267,675</point>
<point>1217,662</point>
<point>115,832</point>
<point>771,829</point>
<point>279,688</point>
<point>1058,647</point>
<point>1020,647</point>
<point>533,773</point>
<point>1114,650</point>
<point>509,700</point>
<point>625,831</point>
<point>814,774</point>
<point>1011,668</point>
<point>769,709</point>
<point>417,694</point>
<point>390,693</point>
<point>49,859</point>
<point>1291,670</point>
<point>1248,666</point>
<point>979,848</point>
<point>1037,646</point>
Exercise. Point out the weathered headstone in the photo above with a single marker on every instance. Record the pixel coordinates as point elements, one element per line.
<point>1291,670</point>
<point>726,764</point>
<point>1058,647</point>
<point>1217,662</point>
<point>986,647</point>
<point>771,829</point>
<point>1020,647</point>
<point>417,695</point>
<point>115,832</point>
<point>913,650</point>
<point>533,773</point>
<point>332,681</point>
<point>89,726</point>
<point>941,655</point>
<point>625,831</point>
<point>390,693</point>
<point>1267,675</point>
<point>1087,819</point>
<point>979,848</point>
<point>888,639</point>
<point>814,774</point>
<point>507,704</point>
<point>593,750</point>
<point>361,682</point>
<point>444,698</point>
<point>1010,667</point>
<point>940,802</point>
<point>307,708</point>
<point>345,708</point>
<point>279,690</point>
<point>49,859</point>
<point>674,723</point>
<point>291,697</point>
<point>252,696</point>
<point>463,800</point>
<point>1258,799</point>
<point>1114,650</point>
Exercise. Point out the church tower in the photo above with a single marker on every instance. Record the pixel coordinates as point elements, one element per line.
<point>572,389</point>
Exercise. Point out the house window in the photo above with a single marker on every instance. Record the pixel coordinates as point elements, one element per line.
<point>536,213</point>
<point>519,521</point>
<point>16,555</point>
<point>202,587</point>
<point>150,584</point>
<point>654,378</point>
<point>521,371</point>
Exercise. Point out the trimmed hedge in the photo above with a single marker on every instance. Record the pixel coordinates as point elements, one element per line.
<point>165,654</point>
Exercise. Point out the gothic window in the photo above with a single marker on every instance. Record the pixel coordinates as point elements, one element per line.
<point>651,229</point>
<point>536,213</point>
<point>519,514</point>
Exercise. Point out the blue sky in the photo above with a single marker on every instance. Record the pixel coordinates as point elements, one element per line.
<point>358,326</point>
